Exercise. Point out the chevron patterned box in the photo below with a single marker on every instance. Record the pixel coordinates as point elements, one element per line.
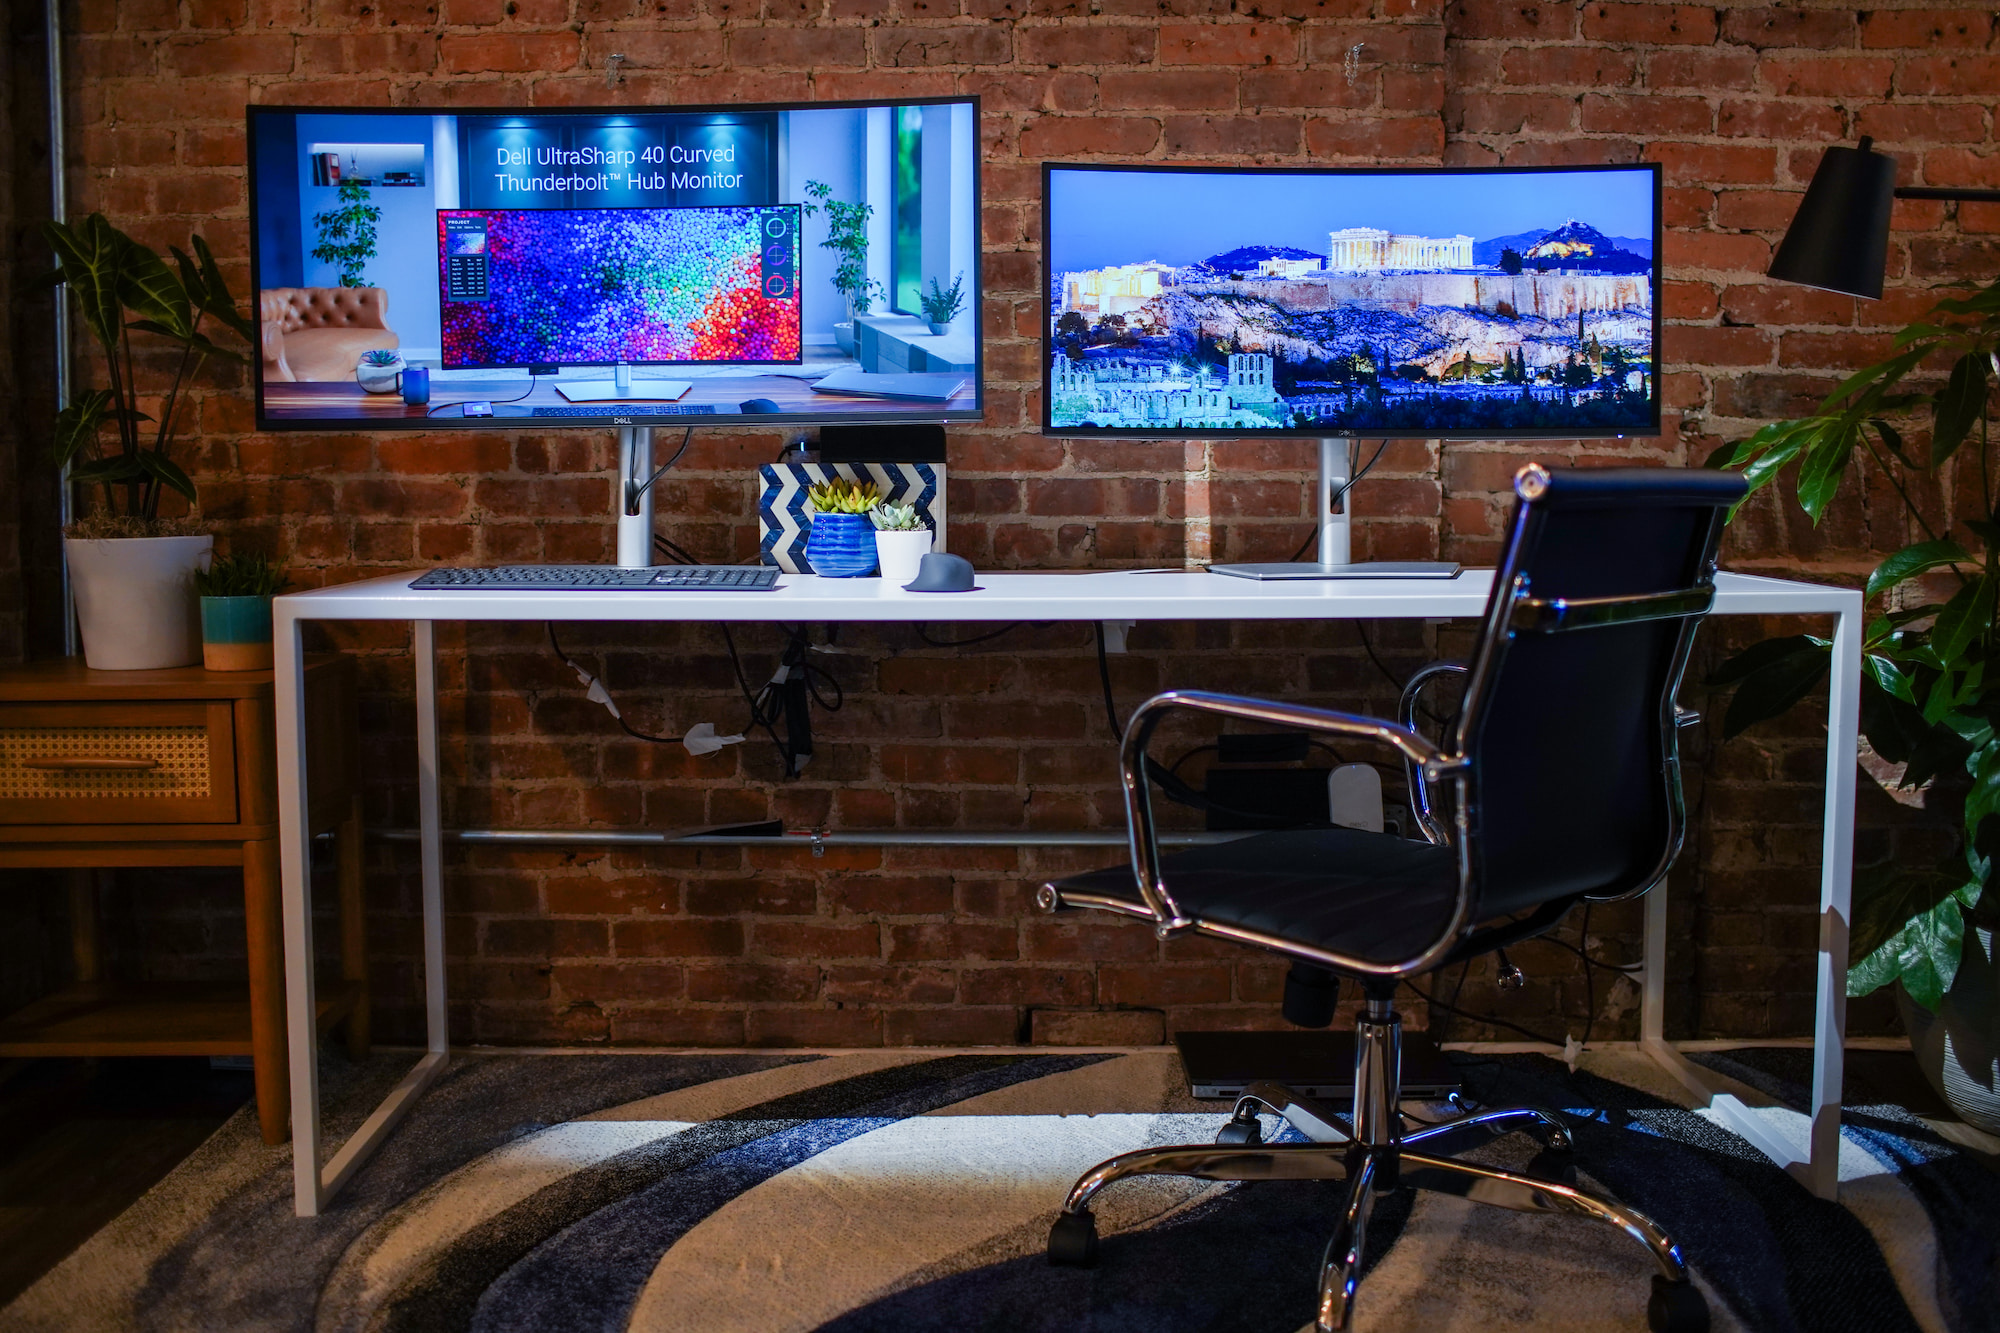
<point>781,510</point>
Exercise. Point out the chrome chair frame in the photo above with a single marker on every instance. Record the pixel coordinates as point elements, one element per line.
<point>1371,1154</point>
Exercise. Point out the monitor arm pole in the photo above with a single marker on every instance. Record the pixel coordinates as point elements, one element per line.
<point>1336,548</point>
<point>1336,462</point>
<point>635,496</point>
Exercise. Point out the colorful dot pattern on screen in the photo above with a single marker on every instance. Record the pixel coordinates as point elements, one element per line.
<point>583,286</point>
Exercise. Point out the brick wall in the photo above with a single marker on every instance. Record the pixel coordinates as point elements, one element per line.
<point>907,945</point>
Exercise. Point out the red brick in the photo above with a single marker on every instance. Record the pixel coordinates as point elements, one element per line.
<point>1070,46</point>
<point>1787,28</point>
<point>1660,115</point>
<point>1475,20</point>
<point>1804,75</point>
<point>810,48</point>
<point>1235,44</point>
<point>1569,66</point>
<point>1076,136</point>
<point>1927,29</point>
<point>920,47</point>
<point>1650,25</point>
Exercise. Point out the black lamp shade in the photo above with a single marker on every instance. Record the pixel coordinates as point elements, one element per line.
<point>1839,238</point>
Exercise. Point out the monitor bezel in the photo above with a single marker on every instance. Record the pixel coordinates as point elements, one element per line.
<point>911,414</point>
<point>1048,428</point>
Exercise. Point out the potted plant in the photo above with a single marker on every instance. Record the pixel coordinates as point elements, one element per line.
<point>842,542</point>
<point>901,541</point>
<point>941,306</point>
<point>130,565</point>
<point>1929,697</point>
<point>380,370</point>
<point>236,593</point>
<point>847,237</point>
<point>347,233</point>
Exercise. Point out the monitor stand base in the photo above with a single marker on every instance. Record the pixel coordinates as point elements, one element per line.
<point>1369,569</point>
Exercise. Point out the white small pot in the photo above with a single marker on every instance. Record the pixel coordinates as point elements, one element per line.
<point>135,600</point>
<point>379,379</point>
<point>843,337</point>
<point>900,553</point>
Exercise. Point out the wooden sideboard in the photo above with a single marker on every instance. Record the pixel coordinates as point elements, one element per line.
<point>142,769</point>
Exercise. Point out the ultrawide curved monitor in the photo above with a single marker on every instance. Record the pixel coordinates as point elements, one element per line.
<point>783,264</point>
<point>1484,303</point>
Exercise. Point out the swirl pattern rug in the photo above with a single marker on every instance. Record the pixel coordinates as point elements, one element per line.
<point>912,1190</point>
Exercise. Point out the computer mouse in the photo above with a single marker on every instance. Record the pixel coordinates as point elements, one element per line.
<point>760,405</point>
<point>940,572</point>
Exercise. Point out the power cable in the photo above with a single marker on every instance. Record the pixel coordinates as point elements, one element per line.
<point>598,694</point>
<point>1341,494</point>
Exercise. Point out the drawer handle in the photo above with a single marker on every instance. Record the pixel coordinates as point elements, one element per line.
<point>91,764</point>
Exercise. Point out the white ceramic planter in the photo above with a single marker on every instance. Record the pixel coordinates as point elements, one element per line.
<point>900,553</point>
<point>379,379</point>
<point>135,600</point>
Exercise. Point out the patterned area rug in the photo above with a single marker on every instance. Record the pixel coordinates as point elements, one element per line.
<point>912,1190</point>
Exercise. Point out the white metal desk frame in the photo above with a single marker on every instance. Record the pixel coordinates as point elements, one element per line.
<point>1103,596</point>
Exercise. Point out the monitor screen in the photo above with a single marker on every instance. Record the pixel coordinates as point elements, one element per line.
<point>794,265</point>
<point>1422,302</point>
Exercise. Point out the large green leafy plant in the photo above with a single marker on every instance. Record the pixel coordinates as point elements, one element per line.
<point>847,237</point>
<point>347,233</point>
<point>103,436</point>
<point>1927,653</point>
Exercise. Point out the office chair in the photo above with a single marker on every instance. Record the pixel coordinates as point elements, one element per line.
<point>1558,780</point>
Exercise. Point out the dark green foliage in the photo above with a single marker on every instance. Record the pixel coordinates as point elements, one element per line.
<point>248,575</point>
<point>1926,701</point>
<point>347,234</point>
<point>111,276</point>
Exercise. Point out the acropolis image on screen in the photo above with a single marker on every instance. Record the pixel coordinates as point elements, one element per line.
<point>1407,303</point>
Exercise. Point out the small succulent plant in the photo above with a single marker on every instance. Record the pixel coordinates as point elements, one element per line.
<point>843,497</point>
<point>896,518</point>
<point>379,357</point>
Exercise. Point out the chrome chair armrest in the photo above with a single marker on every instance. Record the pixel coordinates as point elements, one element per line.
<point>1421,804</point>
<point>1418,752</point>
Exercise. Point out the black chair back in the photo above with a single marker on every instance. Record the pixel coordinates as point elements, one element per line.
<point>1568,716</point>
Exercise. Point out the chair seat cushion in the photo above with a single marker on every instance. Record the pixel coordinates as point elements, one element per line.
<point>1369,895</point>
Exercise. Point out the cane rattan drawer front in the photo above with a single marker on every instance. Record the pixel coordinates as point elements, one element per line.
<point>118,763</point>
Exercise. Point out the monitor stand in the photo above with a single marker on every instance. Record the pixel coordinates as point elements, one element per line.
<point>1336,466</point>
<point>635,497</point>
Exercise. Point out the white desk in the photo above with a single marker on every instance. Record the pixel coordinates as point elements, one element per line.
<point>1099,596</point>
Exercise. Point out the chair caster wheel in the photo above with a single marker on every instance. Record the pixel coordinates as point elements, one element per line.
<point>1240,1133</point>
<point>1553,1165</point>
<point>1676,1307</point>
<point>1073,1241</point>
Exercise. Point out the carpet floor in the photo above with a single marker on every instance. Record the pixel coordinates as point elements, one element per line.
<point>912,1190</point>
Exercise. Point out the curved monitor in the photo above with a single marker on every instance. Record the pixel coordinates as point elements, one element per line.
<point>789,265</point>
<point>1482,303</point>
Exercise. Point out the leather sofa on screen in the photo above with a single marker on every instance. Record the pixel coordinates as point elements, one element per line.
<point>319,333</point>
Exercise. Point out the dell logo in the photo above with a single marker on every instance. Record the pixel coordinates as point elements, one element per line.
<point>621,421</point>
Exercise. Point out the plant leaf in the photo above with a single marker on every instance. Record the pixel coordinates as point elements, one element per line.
<point>1773,687</point>
<point>1823,464</point>
<point>1923,955</point>
<point>1960,404</point>
<point>89,256</point>
<point>77,426</point>
<point>149,288</point>
<point>1760,655</point>
<point>1914,560</point>
<point>166,471</point>
<point>216,300</point>
<point>1964,618</point>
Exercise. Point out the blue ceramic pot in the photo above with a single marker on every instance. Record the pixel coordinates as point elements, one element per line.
<point>841,546</point>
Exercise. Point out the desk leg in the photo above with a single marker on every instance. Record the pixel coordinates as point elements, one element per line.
<point>1736,1106</point>
<point>316,1187</point>
<point>85,948</point>
<point>354,932</point>
<point>296,896</point>
<point>1836,893</point>
<point>264,928</point>
<point>430,818</point>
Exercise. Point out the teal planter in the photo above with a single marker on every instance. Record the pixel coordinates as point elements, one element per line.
<point>841,546</point>
<point>236,633</point>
